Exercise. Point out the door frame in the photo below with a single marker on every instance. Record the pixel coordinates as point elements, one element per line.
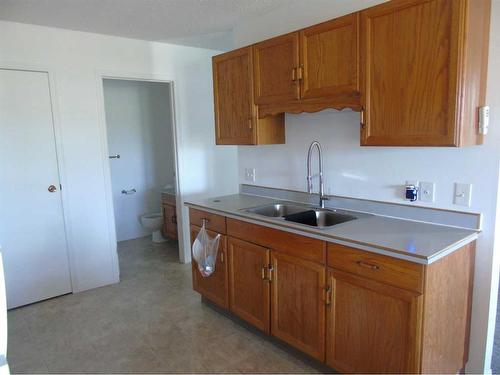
<point>58,144</point>
<point>101,75</point>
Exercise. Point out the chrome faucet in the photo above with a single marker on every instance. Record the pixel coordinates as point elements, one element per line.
<point>322,197</point>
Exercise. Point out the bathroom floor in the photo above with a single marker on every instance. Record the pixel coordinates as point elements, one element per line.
<point>151,322</point>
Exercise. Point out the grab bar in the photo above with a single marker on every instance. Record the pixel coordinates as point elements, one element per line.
<point>128,192</point>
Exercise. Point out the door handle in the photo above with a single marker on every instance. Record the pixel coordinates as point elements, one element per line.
<point>52,189</point>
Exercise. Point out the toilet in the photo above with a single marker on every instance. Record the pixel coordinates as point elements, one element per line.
<point>154,222</point>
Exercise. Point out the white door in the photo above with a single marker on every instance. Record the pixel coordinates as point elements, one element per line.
<point>32,234</point>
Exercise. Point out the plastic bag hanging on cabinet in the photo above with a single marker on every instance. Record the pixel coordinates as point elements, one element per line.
<point>205,251</point>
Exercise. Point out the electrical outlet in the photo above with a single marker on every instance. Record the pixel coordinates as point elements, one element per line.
<point>250,174</point>
<point>427,191</point>
<point>463,194</point>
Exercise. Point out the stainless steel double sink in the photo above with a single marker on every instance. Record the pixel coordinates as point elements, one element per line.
<point>305,215</point>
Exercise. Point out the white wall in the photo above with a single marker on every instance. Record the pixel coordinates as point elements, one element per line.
<point>379,172</point>
<point>76,60</point>
<point>139,128</point>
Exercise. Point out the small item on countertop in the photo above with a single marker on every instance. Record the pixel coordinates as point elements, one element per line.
<point>205,251</point>
<point>411,192</point>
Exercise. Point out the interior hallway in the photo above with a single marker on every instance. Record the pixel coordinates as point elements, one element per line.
<point>151,321</point>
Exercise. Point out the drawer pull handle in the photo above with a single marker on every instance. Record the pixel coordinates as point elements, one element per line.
<point>328,295</point>
<point>269,273</point>
<point>367,265</point>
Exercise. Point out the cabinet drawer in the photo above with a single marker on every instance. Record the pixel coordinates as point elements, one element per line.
<point>213,222</point>
<point>392,271</point>
<point>289,243</point>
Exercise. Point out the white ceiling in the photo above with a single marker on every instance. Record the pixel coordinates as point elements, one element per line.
<point>201,23</point>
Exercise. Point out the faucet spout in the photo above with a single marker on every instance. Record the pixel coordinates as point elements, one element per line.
<point>322,197</point>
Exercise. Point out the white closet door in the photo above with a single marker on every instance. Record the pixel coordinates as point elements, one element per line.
<point>32,234</point>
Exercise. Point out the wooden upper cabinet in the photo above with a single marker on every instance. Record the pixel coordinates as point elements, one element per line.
<point>329,60</point>
<point>234,108</point>
<point>275,70</point>
<point>298,303</point>
<point>423,70</point>
<point>309,70</point>
<point>236,121</point>
<point>372,327</point>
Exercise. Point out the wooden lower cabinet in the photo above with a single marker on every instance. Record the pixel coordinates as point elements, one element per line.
<point>215,287</point>
<point>372,327</point>
<point>249,289</point>
<point>298,303</point>
<point>169,221</point>
<point>357,311</point>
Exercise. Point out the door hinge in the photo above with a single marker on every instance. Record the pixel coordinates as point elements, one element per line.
<point>484,119</point>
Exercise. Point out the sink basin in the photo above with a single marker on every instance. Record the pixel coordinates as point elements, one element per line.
<point>319,218</point>
<point>277,210</point>
<point>305,215</point>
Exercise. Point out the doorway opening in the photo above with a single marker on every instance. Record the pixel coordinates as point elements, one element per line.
<point>142,158</point>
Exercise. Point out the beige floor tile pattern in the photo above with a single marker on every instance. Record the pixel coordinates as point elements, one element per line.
<point>150,322</point>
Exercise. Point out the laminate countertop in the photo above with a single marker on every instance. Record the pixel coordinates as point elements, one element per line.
<point>414,241</point>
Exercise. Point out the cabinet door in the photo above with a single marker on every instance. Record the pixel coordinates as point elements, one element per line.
<point>170,221</point>
<point>329,59</point>
<point>298,303</point>
<point>372,327</point>
<point>233,97</point>
<point>409,72</point>
<point>275,70</point>
<point>214,287</point>
<point>248,285</point>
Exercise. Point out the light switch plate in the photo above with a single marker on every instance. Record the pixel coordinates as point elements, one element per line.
<point>250,174</point>
<point>463,194</point>
<point>427,191</point>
